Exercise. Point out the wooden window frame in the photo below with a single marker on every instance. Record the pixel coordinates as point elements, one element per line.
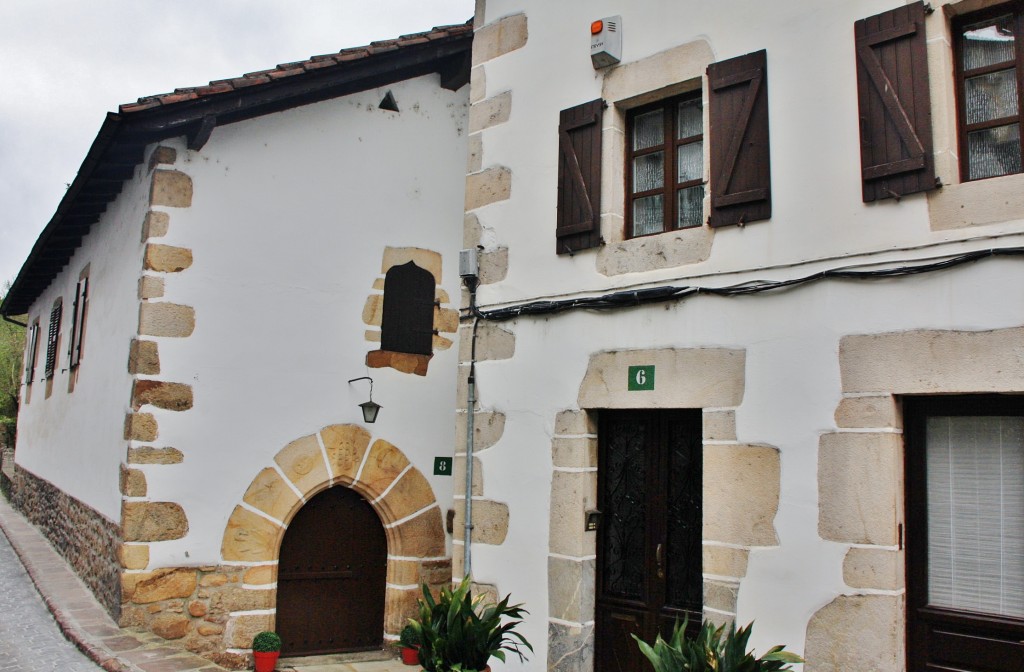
<point>53,337</point>
<point>1016,9</point>
<point>31,352</point>
<point>80,310</point>
<point>670,188</point>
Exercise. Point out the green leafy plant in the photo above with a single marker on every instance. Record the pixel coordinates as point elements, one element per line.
<point>460,633</point>
<point>409,637</point>
<point>713,649</point>
<point>266,642</point>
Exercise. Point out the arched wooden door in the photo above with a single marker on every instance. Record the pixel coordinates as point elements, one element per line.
<point>330,585</point>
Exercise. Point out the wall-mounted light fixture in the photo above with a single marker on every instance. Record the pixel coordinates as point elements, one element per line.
<point>370,409</point>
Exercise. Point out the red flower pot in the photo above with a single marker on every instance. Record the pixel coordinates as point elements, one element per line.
<point>266,661</point>
<point>410,656</point>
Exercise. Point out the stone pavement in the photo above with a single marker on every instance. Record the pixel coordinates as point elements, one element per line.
<point>29,642</point>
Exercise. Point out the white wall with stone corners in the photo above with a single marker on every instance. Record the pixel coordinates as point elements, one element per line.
<point>290,217</point>
<point>76,440</point>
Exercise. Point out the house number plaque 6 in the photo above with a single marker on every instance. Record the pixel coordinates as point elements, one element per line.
<point>640,378</point>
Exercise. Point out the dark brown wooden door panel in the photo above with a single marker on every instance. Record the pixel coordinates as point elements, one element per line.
<point>330,589</point>
<point>940,637</point>
<point>649,540</point>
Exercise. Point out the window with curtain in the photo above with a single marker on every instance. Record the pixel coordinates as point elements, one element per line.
<point>975,497</point>
<point>666,166</point>
<point>988,59</point>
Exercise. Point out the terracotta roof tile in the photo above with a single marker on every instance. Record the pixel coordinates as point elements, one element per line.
<point>296,68</point>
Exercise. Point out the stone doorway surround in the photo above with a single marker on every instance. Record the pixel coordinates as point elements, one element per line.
<point>860,478</point>
<point>337,455</point>
<point>740,493</point>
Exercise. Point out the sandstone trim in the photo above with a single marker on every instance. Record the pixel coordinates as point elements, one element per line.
<point>382,474</point>
<point>499,38</point>
<point>171,188</point>
<point>490,185</point>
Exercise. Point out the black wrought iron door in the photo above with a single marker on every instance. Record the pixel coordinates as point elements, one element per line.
<point>649,539</point>
<point>330,587</point>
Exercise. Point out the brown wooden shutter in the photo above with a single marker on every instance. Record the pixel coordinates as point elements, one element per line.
<point>741,184</point>
<point>51,338</point>
<point>894,104</point>
<point>579,177</point>
<point>78,321</point>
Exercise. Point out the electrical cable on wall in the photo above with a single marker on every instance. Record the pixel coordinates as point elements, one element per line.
<point>637,297</point>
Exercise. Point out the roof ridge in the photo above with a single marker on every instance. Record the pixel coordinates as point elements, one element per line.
<point>283,70</point>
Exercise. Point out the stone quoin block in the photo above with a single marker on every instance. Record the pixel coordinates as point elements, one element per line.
<point>169,396</point>
<point>490,112</point>
<point>260,576</point>
<point>153,521</point>
<point>490,521</point>
<point>150,455</point>
<point>859,487</point>
<point>492,343</point>
<point>570,647</point>
<point>133,556</point>
<point>477,84</point>
<point>488,186</point>
<point>725,561</point>
<point>166,258</point>
<point>876,568</point>
<point>857,632</point>
<point>493,265</point>
<point>719,425</point>
<point>499,38</point>
<point>459,475</point>
<point>488,426</point>
<point>166,319</point>
<point>151,287</point>
<point>869,413</point>
<point>721,596</point>
<point>373,310</point>
<point>475,163</point>
<point>572,494</point>
<point>133,482</point>
<point>741,494</point>
<point>399,607</point>
<point>577,452</point>
<point>575,422</point>
<point>571,589</point>
<point>171,188</point>
<point>162,155</point>
<point>143,358</point>
<point>471,230</point>
<point>140,427</point>
<point>155,225</point>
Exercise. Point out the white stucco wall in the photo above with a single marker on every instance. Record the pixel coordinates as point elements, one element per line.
<point>76,440</point>
<point>290,217</point>
<point>791,339</point>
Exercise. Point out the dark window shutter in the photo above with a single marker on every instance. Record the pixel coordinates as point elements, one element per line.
<point>32,354</point>
<point>579,177</point>
<point>741,184</point>
<point>407,323</point>
<point>78,321</point>
<point>894,105</point>
<point>51,338</point>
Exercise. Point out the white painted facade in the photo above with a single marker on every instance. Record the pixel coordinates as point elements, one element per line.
<point>791,338</point>
<point>76,439</point>
<point>289,221</point>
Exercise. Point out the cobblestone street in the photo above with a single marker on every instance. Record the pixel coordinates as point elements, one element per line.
<point>29,638</point>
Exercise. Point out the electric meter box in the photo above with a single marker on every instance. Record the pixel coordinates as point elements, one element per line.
<point>606,41</point>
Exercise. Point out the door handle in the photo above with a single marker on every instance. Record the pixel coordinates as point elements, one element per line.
<point>659,556</point>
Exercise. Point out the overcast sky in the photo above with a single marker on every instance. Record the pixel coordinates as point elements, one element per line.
<point>65,63</point>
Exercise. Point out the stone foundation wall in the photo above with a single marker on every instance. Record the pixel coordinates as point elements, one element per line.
<point>86,539</point>
<point>192,606</point>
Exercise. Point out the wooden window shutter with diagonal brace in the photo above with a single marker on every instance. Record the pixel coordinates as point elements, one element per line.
<point>578,221</point>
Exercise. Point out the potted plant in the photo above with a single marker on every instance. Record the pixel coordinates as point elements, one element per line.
<point>266,647</point>
<point>410,641</point>
<point>713,649</point>
<point>460,633</point>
